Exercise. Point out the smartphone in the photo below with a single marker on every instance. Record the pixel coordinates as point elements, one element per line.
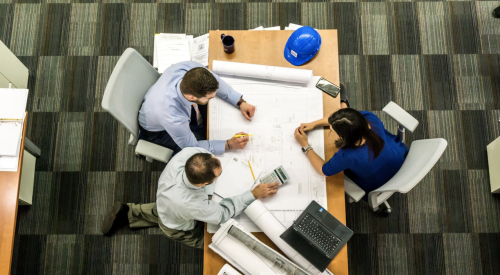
<point>328,87</point>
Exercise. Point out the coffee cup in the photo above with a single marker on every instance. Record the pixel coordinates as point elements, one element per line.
<point>227,43</point>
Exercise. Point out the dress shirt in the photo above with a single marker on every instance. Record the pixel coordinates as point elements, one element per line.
<point>165,108</point>
<point>180,204</point>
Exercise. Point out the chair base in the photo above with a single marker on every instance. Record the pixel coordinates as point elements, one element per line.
<point>387,208</point>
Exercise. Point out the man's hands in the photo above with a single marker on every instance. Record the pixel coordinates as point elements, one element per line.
<point>247,110</point>
<point>265,190</point>
<point>301,137</point>
<point>238,142</point>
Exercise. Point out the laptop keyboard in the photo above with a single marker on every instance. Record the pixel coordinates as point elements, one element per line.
<point>321,236</point>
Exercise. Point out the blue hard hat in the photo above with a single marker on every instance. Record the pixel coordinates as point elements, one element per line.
<point>302,45</point>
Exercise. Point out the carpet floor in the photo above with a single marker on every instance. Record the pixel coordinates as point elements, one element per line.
<point>440,60</point>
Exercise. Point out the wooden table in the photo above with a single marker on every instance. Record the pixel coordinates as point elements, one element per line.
<point>267,48</point>
<point>9,194</point>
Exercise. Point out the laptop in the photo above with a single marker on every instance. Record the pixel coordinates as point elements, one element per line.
<point>317,236</point>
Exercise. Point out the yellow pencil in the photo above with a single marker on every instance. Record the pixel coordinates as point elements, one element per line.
<point>242,135</point>
<point>251,170</point>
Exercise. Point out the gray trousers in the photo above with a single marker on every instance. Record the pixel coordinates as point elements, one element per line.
<point>146,215</point>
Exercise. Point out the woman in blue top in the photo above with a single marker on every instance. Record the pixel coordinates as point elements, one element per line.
<point>368,154</point>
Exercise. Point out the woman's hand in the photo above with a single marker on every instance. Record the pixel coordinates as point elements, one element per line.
<point>301,137</point>
<point>307,126</point>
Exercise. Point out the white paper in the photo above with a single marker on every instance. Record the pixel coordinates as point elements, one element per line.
<point>273,73</point>
<point>279,111</point>
<point>155,51</point>
<point>275,28</point>
<point>227,258</point>
<point>228,270</point>
<point>10,133</point>
<point>9,163</point>
<point>199,50</point>
<point>236,178</point>
<point>257,29</point>
<point>171,52</point>
<point>165,36</point>
<point>13,103</point>
<point>293,26</point>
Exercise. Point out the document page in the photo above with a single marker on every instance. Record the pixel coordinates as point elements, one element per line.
<point>10,136</point>
<point>279,111</point>
<point>236,178</point>
<point>281,74</point>
<point>13,103</point>
<point>199,50</point>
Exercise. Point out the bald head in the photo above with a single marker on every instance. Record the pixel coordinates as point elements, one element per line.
<point>202,168</point>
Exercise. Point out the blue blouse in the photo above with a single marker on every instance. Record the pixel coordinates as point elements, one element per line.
<point>358,163</point>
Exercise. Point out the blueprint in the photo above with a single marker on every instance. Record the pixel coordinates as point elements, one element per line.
<point>279,111</point>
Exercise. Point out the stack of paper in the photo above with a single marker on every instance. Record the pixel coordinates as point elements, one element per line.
<point>12,113</point>
<point>293,27</point>
<point>172,48</point>
<point>199,50</point>
<point>275,28</point>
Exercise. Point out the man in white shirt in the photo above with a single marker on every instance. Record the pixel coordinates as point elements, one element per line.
<point>182,206</point>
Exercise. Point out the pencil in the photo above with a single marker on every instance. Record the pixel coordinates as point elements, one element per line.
<point>251,170</point>
<point>242,135</point>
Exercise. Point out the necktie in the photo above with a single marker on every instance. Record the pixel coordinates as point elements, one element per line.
<point>199,118</point>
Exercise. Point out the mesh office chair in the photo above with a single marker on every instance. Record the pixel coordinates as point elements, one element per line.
<point>422,156</point>
<point>130,80</point>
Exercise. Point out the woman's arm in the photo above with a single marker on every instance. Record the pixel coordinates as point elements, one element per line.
<point>316,161</point>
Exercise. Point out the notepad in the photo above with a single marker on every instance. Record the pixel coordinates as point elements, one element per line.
<point>13,104</point>
<point>236,178</point>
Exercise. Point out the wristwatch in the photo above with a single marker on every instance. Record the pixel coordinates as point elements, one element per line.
<point>306,148</point>
<point>240,102</point>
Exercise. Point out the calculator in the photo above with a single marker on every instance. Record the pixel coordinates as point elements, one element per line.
<point>278,175</point>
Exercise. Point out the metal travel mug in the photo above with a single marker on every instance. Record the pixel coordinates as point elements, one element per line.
<point>227,43</point>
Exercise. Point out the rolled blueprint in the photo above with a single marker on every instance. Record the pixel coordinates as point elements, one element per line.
<point>274,73</point>
<point>247,257</point>
<point>272,227</point>
<point>280,262</point>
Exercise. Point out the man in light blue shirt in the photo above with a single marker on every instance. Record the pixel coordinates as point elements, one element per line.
<point>181,204</point>
<point>174,112</point>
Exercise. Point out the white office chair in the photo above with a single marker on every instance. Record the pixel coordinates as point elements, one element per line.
<point>129,82</point>
<point>422,156</point>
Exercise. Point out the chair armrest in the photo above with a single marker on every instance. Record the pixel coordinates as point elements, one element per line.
<point>401,116</point>
<point>353,190</point>
<point>153,151</point>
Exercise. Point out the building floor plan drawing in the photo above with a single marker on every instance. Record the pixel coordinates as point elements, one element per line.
<point>279,111</point>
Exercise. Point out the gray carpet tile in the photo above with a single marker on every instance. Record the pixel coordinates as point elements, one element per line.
<point>440,60</point>
<point>460,253</point>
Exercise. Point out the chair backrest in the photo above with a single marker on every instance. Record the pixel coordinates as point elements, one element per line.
<point>422,156</point>
<point>126,88</point>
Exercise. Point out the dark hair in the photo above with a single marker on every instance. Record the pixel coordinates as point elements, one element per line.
<point>200,168</point>
<point>352,127</point>
<point>199,82</point>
